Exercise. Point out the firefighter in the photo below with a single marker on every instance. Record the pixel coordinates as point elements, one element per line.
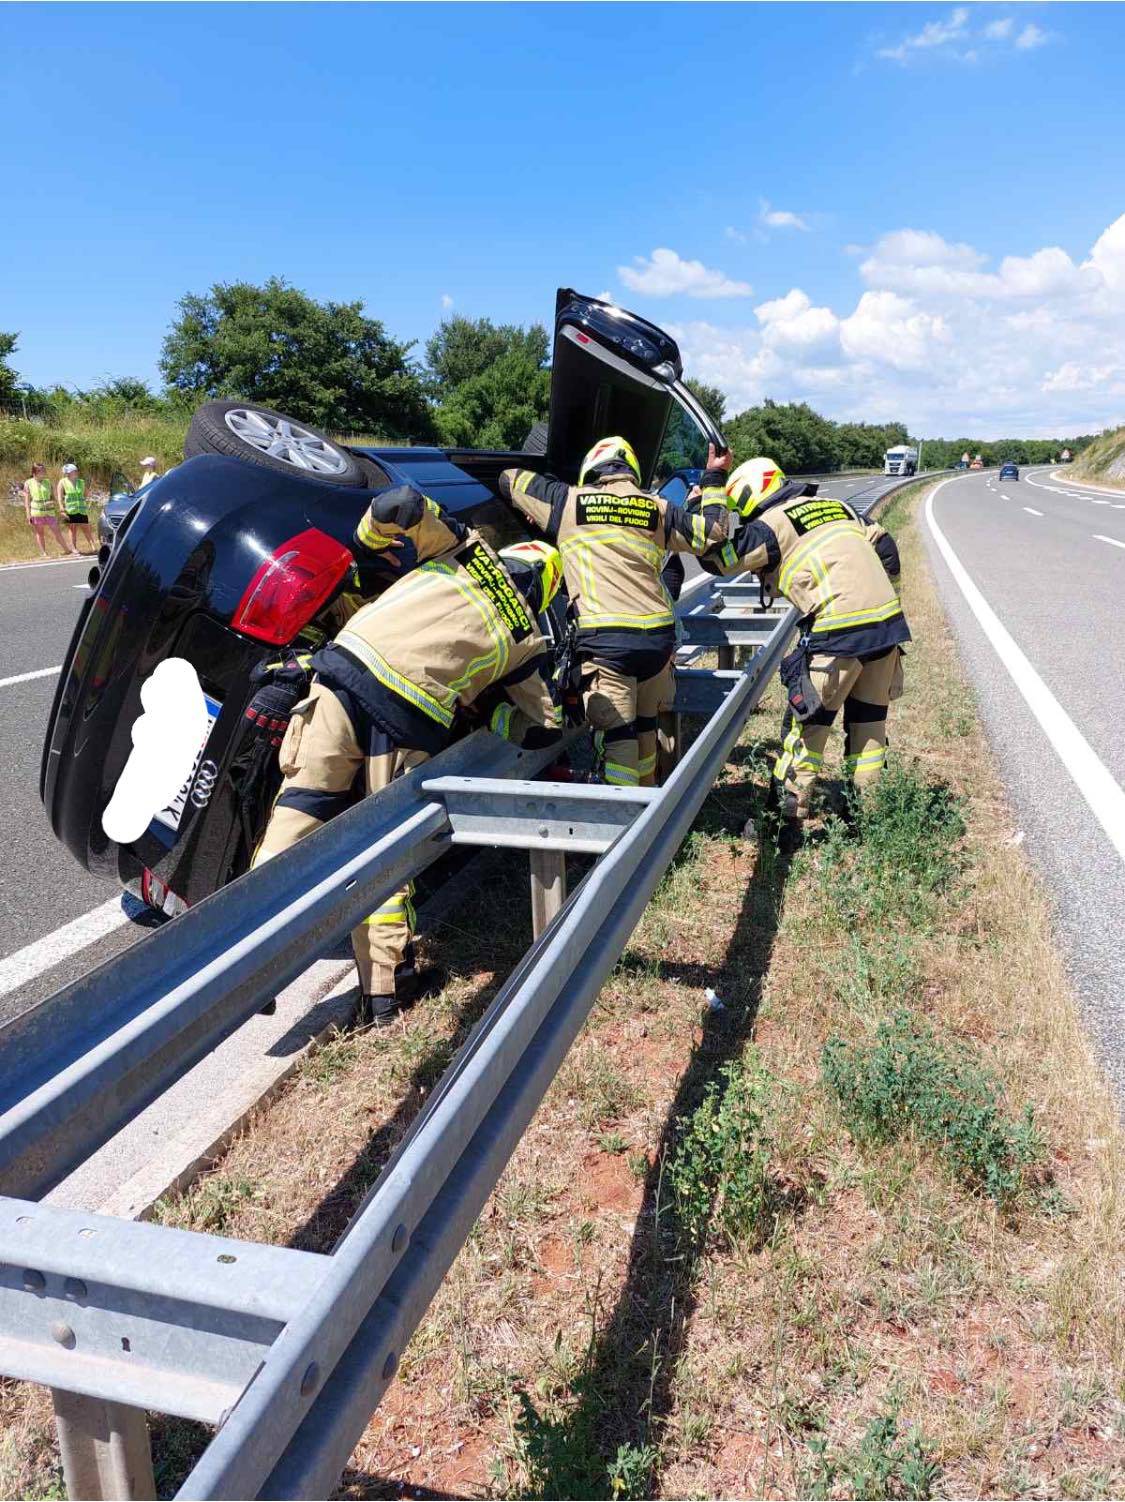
<point>613,537</point>
<point>837,570</point>
<point>460,629</point>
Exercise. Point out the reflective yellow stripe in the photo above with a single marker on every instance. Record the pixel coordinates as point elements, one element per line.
<point>828,621</point>
<point>377,664</point>
<point>809,761</point>
<point>524,479</point>
<point>367,535</point>
<point>501,652</point>
<point>812,545</point>
<point>621,776</point>
<point>646,764</point>
<point>501,721</point>
<point>789,749</point>
<point>628,622</point>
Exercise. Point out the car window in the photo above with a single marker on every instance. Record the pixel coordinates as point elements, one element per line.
<point>674,490</point>
<point>685,438</point>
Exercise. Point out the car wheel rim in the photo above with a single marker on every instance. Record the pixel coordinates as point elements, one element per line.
<point>285,440</point>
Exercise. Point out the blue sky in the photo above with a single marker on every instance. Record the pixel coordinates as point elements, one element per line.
<point>477,156</point>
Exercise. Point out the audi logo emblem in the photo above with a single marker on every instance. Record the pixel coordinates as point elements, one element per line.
<point>204,784</point>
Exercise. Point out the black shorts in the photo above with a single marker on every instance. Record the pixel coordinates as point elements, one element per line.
<point>77,519</point>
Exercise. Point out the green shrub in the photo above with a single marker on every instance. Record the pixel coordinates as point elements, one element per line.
<point>718,1171</point>
<point>898,849</point>
<point>885,1464</point>
<point>909,1081</point>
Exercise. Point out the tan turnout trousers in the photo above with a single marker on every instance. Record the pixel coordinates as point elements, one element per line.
<point>624,713</point>
<point>320,762</point>
<point>864,689</point>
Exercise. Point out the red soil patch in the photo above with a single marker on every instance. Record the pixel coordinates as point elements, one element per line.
<point>608,1184</point>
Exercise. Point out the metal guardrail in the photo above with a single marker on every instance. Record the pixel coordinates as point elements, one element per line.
<point>290,1352</point>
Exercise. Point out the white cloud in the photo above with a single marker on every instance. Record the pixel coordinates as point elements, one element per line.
<point>446,301</point>
<point>736,235</point>
<point>1031,36</point>
<point>933,34</point>
<point>941,337</point>
<point>779,218</point>
<point>666,274</point>
<point>954,37</point>
<point>793,321</point>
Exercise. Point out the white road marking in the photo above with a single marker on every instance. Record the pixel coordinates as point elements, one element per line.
<point>27,677</point>
<point>1031,511</point>
<point>1089,774</point>
<point>42,954</point>
<point>1004,496</point>
<point>1114,541</point>
<point>45,563</point>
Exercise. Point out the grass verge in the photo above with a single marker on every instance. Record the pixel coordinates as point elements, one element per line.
<point>715,1266</point>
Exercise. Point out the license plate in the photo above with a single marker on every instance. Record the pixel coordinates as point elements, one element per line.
<point>171,816</point>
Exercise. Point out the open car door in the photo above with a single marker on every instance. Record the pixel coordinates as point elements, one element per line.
<point>614,372</point>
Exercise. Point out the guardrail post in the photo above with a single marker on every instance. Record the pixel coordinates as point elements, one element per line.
<point>548,887</point>
<point>104,1448</point>
<point>727,657</point>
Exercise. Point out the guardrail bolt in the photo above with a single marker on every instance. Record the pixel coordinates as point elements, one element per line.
<point>63,1334</point>
<point>399,1240</point>
<point>74,1288</point>
<point>310,1380</point>
<point>544,831</point>
<point>390,1366</point>
<point>34,1282</point>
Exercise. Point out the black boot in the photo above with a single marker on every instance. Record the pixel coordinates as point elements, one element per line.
<point>376,1009</point>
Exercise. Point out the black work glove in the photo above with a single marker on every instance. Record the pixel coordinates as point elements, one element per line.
<point>281,684</point>
<point>887,550</point>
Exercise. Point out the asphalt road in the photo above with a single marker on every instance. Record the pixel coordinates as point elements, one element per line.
<point>1048,556</point>
<point>56,919</point>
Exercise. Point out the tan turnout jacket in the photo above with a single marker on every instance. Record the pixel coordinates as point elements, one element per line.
<point>613,537</point>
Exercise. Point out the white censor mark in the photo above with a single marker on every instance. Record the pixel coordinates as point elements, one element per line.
<point>166,742</point>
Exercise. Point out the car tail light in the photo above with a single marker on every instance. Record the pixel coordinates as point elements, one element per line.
<point>291,586</point>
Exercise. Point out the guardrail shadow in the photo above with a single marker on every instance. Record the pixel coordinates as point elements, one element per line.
<point>626,1387</point>
<point>474,942</point>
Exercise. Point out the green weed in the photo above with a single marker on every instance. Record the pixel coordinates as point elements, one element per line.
<point>910,1081</point>
<point>718,1173</point>
<point>886,1463</point>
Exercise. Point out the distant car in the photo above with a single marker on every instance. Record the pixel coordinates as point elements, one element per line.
<point>116,509</point>
<point>1009,471</point>
<point>961,464</point>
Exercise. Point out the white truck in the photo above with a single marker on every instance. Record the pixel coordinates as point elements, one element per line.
<point>900,461</point>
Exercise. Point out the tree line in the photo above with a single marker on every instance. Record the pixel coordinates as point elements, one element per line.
<point>476,384</point>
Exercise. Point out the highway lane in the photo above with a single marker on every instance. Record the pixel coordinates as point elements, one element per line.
<point>55,918</point>
<point>42,886</point>
<point>1048,556</point>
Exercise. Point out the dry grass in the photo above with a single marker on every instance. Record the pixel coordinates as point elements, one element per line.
<point>1104,459</point>
<point>860,1324</point>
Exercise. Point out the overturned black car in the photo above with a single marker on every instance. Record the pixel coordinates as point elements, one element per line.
<point>236,552</point>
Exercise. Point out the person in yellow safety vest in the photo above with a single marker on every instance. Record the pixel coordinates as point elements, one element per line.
<point>461,629</point>
<point>149,470</point>
<point>70,493</point>
<point>837,570</point>
<point>613,537</point>
<point>41,509</point>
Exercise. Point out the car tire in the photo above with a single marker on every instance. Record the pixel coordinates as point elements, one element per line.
<point>536,440</point>
<point>246,431</point>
